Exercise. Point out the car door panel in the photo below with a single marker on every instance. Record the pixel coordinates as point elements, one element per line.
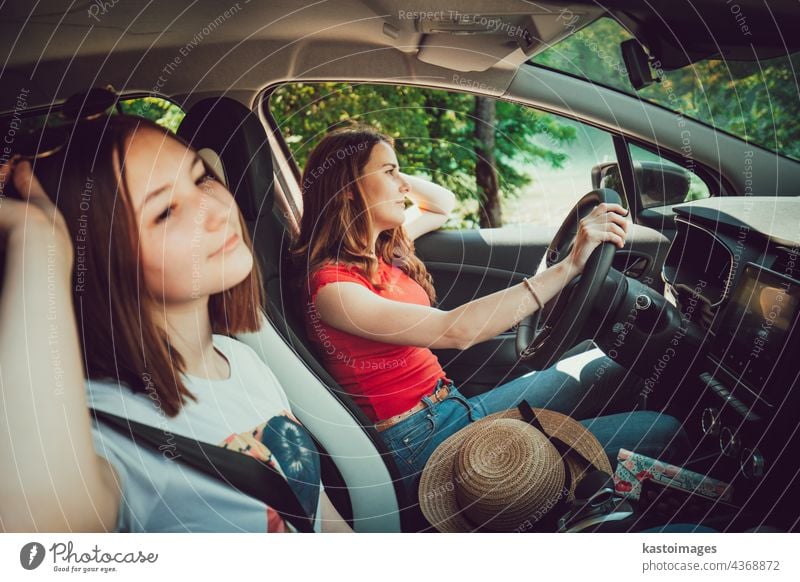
<point>485,365</point>
<point>514,250</point>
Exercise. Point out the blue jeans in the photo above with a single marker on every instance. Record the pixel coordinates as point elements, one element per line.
<point>581,386</point>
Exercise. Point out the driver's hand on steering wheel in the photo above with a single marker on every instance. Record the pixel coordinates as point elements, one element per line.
<point>605,223</point>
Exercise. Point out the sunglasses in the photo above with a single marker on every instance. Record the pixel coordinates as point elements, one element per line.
<point>48,140</point>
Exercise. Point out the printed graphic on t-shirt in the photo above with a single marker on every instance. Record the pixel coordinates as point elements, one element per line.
<point>286,446</point>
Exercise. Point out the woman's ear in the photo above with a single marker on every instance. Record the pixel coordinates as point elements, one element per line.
<point>348,194</point>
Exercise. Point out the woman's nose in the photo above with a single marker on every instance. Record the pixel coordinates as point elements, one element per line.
<point>216,212</point>
<point>405,187</point>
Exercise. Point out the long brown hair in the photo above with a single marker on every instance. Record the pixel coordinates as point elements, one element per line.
<point>121,340</point>
<point>336,226</point>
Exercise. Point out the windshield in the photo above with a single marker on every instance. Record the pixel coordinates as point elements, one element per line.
<point>755,101</point>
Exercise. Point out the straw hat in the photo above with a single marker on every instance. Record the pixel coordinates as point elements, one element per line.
<point>502,474</point>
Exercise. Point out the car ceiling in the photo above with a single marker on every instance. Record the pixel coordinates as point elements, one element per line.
<point>53,53</point>
<point>52,49</point>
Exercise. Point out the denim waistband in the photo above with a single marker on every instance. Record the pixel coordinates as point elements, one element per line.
<point>440,383</point>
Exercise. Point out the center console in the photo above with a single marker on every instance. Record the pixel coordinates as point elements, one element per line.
<point>738,287</point>
<point>749,409</point>
<point>753,340</point>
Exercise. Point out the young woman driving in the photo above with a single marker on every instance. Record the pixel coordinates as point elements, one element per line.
<point>150,250</point>
<point>368,309</point>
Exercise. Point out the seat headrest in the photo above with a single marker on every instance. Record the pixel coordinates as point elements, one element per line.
<point>237,136</point>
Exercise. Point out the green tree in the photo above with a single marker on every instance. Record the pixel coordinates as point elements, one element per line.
<point>485,174</point>
<point>161,111</point>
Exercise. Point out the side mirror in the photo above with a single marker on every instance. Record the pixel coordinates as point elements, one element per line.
<point>659,184</point>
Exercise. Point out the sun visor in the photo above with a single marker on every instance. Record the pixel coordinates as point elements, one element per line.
<point>473,42</point>
<point>463,53</point>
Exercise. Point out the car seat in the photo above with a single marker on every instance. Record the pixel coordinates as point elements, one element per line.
<point>233,140</point>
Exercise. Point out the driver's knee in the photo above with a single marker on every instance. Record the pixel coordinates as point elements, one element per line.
<point>601,385</point>
<point>619,389</point>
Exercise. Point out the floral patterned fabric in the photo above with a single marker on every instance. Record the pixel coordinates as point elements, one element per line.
<point>286,446</point>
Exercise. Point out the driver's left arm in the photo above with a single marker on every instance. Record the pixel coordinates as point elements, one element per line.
<point>431,209</point>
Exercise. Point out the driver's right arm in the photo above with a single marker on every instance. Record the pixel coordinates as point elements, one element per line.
<point>53,480</point>
<point>353,308</point>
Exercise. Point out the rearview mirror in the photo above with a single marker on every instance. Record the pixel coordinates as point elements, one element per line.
<point>637,63</point>
<point>659,184</point>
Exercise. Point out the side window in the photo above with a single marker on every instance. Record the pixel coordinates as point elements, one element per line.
<point>559,178</point>
<point>506,163</point>
<point>662,182</point>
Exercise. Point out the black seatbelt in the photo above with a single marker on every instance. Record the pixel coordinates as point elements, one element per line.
<point>243,472</point>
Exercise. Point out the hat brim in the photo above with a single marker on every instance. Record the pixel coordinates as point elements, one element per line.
<point>437,488</point>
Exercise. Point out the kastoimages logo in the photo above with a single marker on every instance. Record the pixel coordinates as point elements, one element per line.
<point>31,555</point>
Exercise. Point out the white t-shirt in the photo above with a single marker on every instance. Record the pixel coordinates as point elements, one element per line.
<point>248,411</point>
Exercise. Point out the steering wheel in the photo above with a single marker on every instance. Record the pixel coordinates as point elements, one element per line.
<point>565,315</point>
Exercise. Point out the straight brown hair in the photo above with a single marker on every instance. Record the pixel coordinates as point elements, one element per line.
<point>336,227</point>
<point>113,307</point>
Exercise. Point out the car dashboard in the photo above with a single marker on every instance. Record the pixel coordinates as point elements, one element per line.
<point>733,270</point>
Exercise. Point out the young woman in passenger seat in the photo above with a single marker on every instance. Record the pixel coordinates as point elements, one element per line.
<point>368,308</point>
<point>150,250</point>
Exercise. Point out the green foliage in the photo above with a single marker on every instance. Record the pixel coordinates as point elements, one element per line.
<point>163,112</point>
<point>433,132</point>
<point>756,101</point>
<point>591,53</point>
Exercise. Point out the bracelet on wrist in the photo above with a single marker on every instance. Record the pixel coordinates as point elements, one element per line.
<point>529,285</point>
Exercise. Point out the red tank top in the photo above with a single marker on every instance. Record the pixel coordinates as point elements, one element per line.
<point>383,379</point>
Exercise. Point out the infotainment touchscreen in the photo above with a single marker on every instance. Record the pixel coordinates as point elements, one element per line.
<point>756,326</point>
